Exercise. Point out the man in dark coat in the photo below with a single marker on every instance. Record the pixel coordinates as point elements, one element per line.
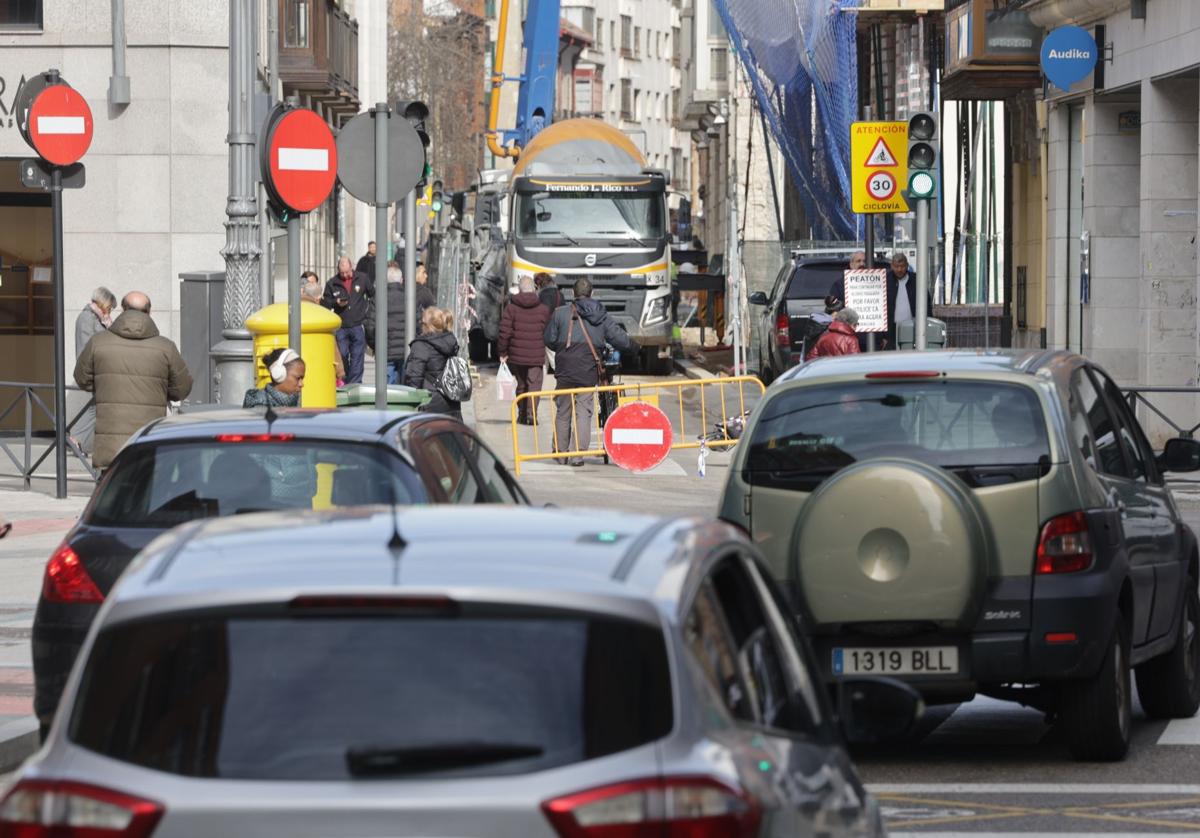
<point>366,262</point>
<point>348,295</point>
<point>134,374</point>
<point>577,333</point>
<point>523,344</point>
<point>900,307</point>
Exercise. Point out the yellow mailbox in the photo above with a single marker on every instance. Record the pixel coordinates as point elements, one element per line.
<point>318,348</point>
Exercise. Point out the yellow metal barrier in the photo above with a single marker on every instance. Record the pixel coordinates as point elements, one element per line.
<point>671,397</point>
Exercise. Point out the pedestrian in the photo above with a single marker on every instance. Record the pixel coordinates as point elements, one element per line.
<point>427,357</point>
<point>366,262</point>
<point>286,369</point>
<point>577,333</point>
<point>523,344</point>
<point>839,339</point>
<point>96,317</point>
<point>396,342</point>
<point>858,260</point>
<point>349,294</point>
<point>425,297</point>
<point>547,291</point>
<point>310,292</point>
<point>901,296</point>
<point>134,372</point>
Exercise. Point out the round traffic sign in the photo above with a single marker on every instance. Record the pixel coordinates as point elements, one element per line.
<point>881,185</point>
<point>60,124</point>
<point>637,436</point>
<point>301,159</point>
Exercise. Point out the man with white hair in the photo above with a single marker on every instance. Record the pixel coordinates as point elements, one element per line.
<point>522,345</point>
<point>96,317</point>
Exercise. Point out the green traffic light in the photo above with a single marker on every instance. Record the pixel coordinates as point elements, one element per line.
<point>921,185</point>
<point>437,206</point>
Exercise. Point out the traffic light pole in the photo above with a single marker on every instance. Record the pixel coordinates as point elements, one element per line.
<point>869,249</point>
<point>410,267</point>
<point>382,113</point>
<point>921,315</point>
<point>60,371</point>
<point>293,274</point>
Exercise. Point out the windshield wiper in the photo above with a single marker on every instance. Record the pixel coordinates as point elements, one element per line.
<point>371,760</point>
<point>558,233</point>
<point>629,236</point>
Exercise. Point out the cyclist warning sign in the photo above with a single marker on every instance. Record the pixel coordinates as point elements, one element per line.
<point>875,170</point>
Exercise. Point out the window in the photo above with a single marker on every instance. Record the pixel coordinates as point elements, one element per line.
<point>626,99</point>
<point>1092,427</point>
<point>1141,455</point>
<point>162,486</point>
<point>677,166</point>
<point>637,41</point>
<point>612,32</point>
<point>716,29</point>
<point>246,696</point>
<point>20,14</point>
<point>589,19</point>
<point>676,48</point>
<point>626,35</point>
<point>26,292</point>
<point>296,23</point>
<point>496,484</point>
<point>451,469</point>
<point>984,432</point>
<point>719,58</point>
<point>599,33</point>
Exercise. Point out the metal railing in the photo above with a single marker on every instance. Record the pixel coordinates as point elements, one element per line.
<point>1139,395</point>
<point>714,409</point>
<point>28,465</point>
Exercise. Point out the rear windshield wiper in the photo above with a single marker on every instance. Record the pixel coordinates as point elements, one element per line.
<point>371,760</point>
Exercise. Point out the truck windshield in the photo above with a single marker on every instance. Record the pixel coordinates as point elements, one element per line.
<point>628,216</point>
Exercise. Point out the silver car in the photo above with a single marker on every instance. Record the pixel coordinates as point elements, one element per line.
<point>437,672</point>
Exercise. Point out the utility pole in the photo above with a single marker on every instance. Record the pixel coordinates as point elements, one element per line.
<point>234,356</point>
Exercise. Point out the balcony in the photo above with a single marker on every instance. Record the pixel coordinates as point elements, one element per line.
<point>318,54</point>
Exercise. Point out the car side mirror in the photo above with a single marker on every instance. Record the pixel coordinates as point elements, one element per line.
<point>1180,455</point>
<point>877,710</point>
<point>759,298</point>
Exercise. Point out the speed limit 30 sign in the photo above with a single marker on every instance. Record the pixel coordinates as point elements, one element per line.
<point>877,151</point>
<point>881,186</point>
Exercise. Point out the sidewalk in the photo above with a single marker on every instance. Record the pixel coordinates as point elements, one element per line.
<point>39,524</point>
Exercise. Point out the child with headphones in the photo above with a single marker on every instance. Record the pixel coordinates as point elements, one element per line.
<point>286,369</point>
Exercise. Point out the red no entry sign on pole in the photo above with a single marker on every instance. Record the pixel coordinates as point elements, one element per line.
<point>302,159</point>
<point>637,436</point>
<point>60,124</point>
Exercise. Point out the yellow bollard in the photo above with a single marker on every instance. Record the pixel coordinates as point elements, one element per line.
<point>318,348</point>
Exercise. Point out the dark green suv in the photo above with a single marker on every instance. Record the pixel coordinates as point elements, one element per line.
<point>979,523</point>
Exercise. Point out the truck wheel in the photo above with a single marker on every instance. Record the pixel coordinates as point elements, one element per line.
<point>1097,712</point>
<point>654,365</point>
<point>1169,685</point>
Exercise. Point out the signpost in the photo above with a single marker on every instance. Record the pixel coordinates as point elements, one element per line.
<point>299,169</point>
<point>637,436</point>
<point>56,122</point>
<point>877,167</point>
<point>1068,55</point>
<point>866,293</point>
<point>380,161</point>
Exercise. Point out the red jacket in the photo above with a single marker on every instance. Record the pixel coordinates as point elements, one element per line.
<point>521,328</point>
<point>839,339</point>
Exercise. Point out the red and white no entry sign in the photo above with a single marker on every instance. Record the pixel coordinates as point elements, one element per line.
<point>302,159</point>
<point>637,436</point>
<point>60,124</point>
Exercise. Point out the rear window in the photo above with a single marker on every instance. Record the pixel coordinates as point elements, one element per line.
<point>329,698</point>
<point>812,282</point>
<point>985,432</point>
<point>165,485</point>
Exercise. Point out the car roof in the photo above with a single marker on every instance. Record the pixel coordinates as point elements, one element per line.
<point>1027,361</point>
<point>275,556</point>
<point>308,423</point>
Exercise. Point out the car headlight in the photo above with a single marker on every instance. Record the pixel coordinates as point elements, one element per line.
<point>658,310</point>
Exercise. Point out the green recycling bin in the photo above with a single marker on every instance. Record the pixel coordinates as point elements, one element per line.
<point>399,397</point>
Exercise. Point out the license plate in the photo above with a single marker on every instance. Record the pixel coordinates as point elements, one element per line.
<point>912,660</point>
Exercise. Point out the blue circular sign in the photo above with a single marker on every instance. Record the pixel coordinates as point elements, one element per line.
<point>1069,53</point>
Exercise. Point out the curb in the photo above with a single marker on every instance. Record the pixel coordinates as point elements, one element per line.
<point>18,739</point>
<point>691,369</point>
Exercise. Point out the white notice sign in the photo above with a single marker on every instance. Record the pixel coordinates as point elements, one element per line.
<point>866,293</point>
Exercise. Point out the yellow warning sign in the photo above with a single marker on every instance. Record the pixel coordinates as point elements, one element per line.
<point>877,167</point>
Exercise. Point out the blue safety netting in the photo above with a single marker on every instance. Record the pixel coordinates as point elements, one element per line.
<point>802,61</point>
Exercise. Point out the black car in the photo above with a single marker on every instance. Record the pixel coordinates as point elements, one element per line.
<point>227,462</point>
<point>785,315</point>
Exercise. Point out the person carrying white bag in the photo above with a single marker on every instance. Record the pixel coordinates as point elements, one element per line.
<point>506,384</point>
<point>523,347</point>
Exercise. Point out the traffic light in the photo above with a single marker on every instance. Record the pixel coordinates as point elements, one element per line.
<point>436,197</point>
<point>416,113</point>
<point>922,156</point>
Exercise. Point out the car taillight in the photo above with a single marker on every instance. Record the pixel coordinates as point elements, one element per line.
<point>1065,545</point>
<point>674,807</point>
<point>67,580</point>
<point>41,809</point>
<point>783,330</point>
<point>255,437</point>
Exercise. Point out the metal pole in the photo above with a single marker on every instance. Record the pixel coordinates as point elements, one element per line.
<point>382,114</point>
<point>869,249</point>
<point>60,372</point>
<point>234,356</point>
<point>410,267</point>
<point>118,83</point>
<point>922,312</point>
<point>293,279</point>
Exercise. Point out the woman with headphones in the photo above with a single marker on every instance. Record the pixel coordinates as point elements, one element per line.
<point>286,368</point>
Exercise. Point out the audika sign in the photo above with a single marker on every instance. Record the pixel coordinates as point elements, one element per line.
<point>1069,54</point>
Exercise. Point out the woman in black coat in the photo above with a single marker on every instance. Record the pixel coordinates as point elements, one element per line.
<point>427,356</point>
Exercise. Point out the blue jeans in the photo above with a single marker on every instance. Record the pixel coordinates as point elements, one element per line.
<point>395,372</point>
<point>352,344</point>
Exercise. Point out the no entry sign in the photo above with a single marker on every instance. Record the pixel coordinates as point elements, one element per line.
<point>637,436</point>
<point>60,124</point>
<point>301,164</point>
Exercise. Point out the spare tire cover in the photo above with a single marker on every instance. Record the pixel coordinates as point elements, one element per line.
<point>891,540</point>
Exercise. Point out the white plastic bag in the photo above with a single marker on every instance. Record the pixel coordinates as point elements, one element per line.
<point>506,384</point>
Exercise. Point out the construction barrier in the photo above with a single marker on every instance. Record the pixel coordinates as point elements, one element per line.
<point>692,405</point>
